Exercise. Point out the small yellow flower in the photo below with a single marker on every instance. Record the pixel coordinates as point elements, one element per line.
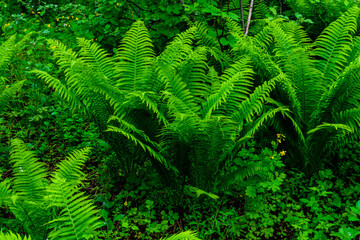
<point>63,17</point>
<point>25,30</point>
<point>125,203</point>
<point>49,25</point>
<point>271,157</point>
<point>22,14</point>
<point>37,20</point>
<point>32,12</point>
<point>38,12</point>
<point>53,47</point>
<point>279,140</point>
<point>68,17</point>
<point>76,19</point>
<point>282,153</point>
<point>72,17</point>
<point>117,4</point>
<point>57,19</point>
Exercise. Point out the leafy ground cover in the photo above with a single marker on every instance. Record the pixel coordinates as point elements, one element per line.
<point>125,120</point>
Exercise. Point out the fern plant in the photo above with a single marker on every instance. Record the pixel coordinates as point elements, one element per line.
<point>122,86</point>
<point>54,209</point>
<point>206,113</point>
<point>320,84</point>
<point>8,50</point>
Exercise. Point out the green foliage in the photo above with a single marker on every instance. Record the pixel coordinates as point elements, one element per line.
<point>8,50</point>
<point>12,236</point>
<point>35,203</point>
<point>180,116</point>
<point>313,86</point>
<point>188,235</point>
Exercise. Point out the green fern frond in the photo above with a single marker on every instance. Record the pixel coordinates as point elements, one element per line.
<point>239,175</point>
<point>341,95</point>
<point>138,137</point>
<point>7,196</point>
<point>297,33</point>
<point>29,173</point>
<point>13,236</point>
<point>78,217</point>
<point>187,235</point>
<point>235,86</point>
<point>263,118</point>
<point>70,169</point>
<point>333,46</point>
<point>66,57</point>
<point>7,51</point>
<point>254,103</point>
<point>350,118</point>
<point>96,57</point>
<point>179,97</point>
<point>262,60</point>
<point>60,88</point>
<point>7,94</point>
<point>355,50</point>
<point>325,126</point>
<point>175,52</point>
<point>135,55</point>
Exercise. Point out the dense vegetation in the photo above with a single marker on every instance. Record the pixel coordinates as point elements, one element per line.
<point>204,119</point>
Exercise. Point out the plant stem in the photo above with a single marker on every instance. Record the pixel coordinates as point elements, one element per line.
<point>249,17</point>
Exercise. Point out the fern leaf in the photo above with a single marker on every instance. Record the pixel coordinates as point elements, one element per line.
<point>237,176</point>
<point>7,196</point>
<point>135,55</point>
<point>70,169</point>
<point>29,173</point>
<point>333,46</point>
<point>78,217</point>
<point>96,57</point>
<point>187,235</point>
<point>133,134</point>
<point>235,84</point>
<point>254,103</point>
<point>8,93</point>
<point>13,236</point>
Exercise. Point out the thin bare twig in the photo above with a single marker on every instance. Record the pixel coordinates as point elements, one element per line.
<point>249,17</point>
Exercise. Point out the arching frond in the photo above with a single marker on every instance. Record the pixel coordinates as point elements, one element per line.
<point>6,194</point>
<point>96,57</point>
<point>237,176</point>
<point>138,137</point>
<point>13,236</point>
<point>234,86</point>
<point>333,46</point>
<point>78,217</point>
<point>7,94</point>
<point>29,173</point>
<point>70,169</point>
<point>254,103</point>
<point>135,55</point>
<point>187,235</point>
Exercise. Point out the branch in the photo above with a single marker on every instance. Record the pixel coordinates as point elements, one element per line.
<point>249,18</point>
